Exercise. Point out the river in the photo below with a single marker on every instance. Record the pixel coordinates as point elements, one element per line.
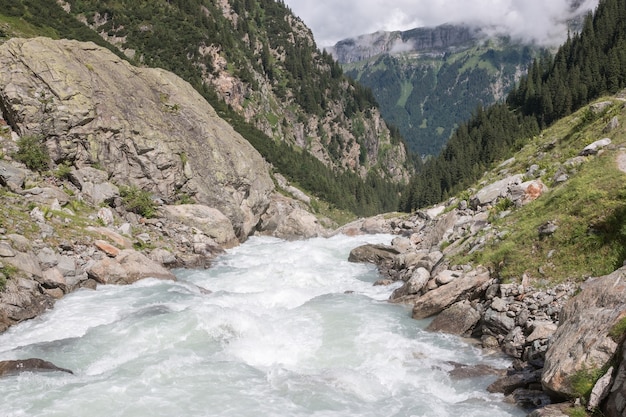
<point>290,329</point>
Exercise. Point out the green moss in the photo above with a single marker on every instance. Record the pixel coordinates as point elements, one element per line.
<point>618,331</point>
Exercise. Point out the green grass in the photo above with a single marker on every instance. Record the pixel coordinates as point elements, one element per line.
<point>589,209</point>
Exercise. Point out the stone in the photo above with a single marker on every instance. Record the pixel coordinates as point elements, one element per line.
<point>285,218</point>
<point>113,236</point>
<point>466,287</point>
<point>615,405</point>
<point>208,220</point>
<point>498,322</point>
<point>375,254</point>
<point>108,271</point>
<point>6,251</point>
<point>93,184</point>
<point>107,248</point>
<point>105,214</point>
<point>459,319</point>
<point>506,385</point>
<point>462,371</point>
<point>541,330</point>
<point>600,390</point>
<point>47,258</point>
<point>13,367</point>
<point>163,256</point>
<point>53,278</point>
<point>11,176</point>
<point>415,284</point>
<point>46,195</point>
<point>138,266</point>
<point>547,229</point>
<point>446,276</point>
<point>26,262</point>
<point>499,305</point>
<point>594,147</point>
<point>490,193</point>
<point>374,225</point>
<point>582,340</point>
<point>552,410</point>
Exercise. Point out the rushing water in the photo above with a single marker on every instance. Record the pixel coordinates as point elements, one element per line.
<point>291,329</point>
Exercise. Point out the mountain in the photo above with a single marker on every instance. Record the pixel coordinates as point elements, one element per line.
<point>429,80</point>
<point>258,65</point>
<point>588,64</point>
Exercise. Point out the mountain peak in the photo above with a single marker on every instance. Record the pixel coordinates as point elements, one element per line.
<point>432,40</point>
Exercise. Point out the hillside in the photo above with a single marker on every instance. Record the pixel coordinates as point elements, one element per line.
<point>588,65</point>
<point>258,65</point>
<point>429,80</point>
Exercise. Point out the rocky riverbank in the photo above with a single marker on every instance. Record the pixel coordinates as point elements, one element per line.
<point>560,337</point>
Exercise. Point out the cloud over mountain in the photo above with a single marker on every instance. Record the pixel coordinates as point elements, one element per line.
<point>540,21</point>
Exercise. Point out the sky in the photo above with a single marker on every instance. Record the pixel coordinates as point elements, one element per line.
<point>529,20</point>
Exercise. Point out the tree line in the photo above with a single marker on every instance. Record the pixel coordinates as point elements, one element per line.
<point>587,65</point>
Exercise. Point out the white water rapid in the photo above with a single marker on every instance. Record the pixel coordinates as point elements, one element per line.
<point>291,329</point>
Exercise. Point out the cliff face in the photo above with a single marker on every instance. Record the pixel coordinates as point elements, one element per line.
<point>145,127</point>
<point>435,40</point>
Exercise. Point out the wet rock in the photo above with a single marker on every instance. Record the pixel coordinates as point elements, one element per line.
<point>207,219</point>
<point>506,385</point>
<point>462,371</point>
<point>18,366</point>
<point>459,319</point>
<point>286,218</point>
<point>415,284</point>
<point>374,254</point>
<point>468,286</point>
<point>529,399</point>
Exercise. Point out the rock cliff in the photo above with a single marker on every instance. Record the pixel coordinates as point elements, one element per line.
<point>435,40</point>
<point>144,127</point>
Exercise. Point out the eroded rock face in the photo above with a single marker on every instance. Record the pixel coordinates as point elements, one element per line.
<point>146,127</point>
<point>582,340</point>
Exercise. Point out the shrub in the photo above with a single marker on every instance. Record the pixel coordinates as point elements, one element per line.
<point>63,171</point>
<point>138,201</point>
<point>618,330</point>
<point>32,153</point>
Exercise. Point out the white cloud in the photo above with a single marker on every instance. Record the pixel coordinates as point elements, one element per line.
<point>533,20</point>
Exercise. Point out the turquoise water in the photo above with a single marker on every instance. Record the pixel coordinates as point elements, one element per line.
<point>290,329</point>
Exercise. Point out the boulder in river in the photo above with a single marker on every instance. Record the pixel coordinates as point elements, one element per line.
<point>13,367</point>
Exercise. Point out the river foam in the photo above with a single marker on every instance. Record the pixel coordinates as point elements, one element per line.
<point>290,329</point>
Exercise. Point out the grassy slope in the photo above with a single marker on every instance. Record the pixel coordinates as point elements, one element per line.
<point>589,208</point>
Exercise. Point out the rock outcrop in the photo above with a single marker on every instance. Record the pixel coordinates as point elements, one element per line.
<point>145,127</point>
<point>583,341</point>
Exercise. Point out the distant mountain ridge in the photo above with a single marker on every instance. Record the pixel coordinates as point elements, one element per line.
<point>436,40</point>
<point>427,81</point>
